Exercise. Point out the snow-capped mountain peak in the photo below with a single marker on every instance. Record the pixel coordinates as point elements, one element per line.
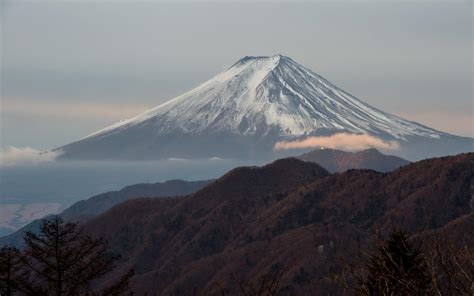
<point>246,110</point>
<point>263,93</point>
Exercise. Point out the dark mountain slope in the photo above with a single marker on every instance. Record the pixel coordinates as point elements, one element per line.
<point>100,203</point>
<point>202,224</point>
<point>339,161</point>
<point>288,215</point>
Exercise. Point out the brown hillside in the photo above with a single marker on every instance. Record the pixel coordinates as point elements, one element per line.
<point>290,215</point>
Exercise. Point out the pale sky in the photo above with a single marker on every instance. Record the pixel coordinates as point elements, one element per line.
<point>70,68</point>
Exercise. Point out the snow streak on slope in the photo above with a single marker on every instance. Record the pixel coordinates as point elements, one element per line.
<point>259,94</point>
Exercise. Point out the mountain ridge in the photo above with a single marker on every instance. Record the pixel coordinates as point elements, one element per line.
<point>338,161</point>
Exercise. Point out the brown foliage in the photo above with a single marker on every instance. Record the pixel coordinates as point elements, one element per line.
<point>253,217</point>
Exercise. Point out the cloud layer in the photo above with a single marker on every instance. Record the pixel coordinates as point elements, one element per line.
<point>342,141</point>
<point>11,156</point>
<point>15,216</point>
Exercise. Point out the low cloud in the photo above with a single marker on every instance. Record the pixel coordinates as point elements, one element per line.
<point>341,141</point>
<point>15,216</point>
<point>216,158</point>
<point>177,159</point>
<point>11,156</point>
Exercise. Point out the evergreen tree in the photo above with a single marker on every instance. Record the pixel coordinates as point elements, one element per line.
<point>62,260</point>
<point>396,268</point>
<point>10,270</point>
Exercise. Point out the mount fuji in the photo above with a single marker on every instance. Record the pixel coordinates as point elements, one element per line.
<point>245,110</point>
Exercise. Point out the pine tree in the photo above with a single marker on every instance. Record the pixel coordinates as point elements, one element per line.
<point>62,260</point>
<point>396,268</point>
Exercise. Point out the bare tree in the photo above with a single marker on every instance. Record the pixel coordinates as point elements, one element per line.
<point>451,266</point>
<point>62,260</point>
<point>266,285</point>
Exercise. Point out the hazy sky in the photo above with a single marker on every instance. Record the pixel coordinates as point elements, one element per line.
<point>69,68</point>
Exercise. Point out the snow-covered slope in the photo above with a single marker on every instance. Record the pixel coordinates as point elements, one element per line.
<point>263,92</point>
<point>258,99</point>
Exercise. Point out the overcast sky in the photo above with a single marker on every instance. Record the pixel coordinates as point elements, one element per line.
<point>70,68</point>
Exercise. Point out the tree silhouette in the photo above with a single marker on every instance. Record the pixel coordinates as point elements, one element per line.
<point>11,267</point>
<point>396,268</point>
<point>62,260</point>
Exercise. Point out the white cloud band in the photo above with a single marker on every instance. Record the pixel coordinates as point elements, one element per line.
<point>343,141</point>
